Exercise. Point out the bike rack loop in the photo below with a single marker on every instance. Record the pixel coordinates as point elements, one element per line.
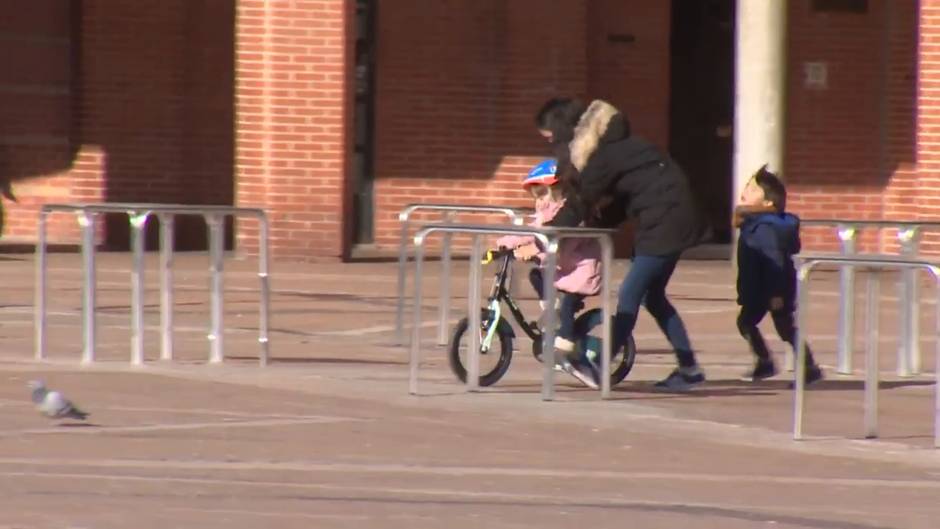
<point>908,236</point>
<point>138,214</point>
<point>550,239</point>
<point>806,264</point>
<point>515,215</point>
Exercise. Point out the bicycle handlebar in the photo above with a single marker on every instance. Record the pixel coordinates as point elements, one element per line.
<point>499,253</point>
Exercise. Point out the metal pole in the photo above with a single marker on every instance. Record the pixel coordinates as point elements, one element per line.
<point>263,275</point>
<point>137,223</point>
<point>799,378</point>
<point>167,221</point>
<point>415,357</point>
<point>936,403</point>
<point>40,309</point>
<point>444,299</point>
<point>473,316</point>
<point>909,311</point>
<point>847,302</point>
<point>548,337</point>
<point>607,340</point>
<point>871,356</point>
<point>402,278</point>
<point>87,222</point>
<point>216,264</point>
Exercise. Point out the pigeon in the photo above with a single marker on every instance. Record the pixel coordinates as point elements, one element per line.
<point>54,404</point>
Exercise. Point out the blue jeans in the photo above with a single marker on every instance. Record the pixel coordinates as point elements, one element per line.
<point>645,284</point>
<point>569,304</point>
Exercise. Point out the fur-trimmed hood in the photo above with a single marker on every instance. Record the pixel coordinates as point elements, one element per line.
<point>621,176</point>
<point>600,123</point>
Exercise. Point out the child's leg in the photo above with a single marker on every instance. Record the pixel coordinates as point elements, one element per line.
<point>535,278</point>
<point>570,305</point>
<point>576,364</point>
<point>786,329</point>
<point>748,319</point>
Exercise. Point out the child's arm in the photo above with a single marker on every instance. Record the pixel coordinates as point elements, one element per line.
<point>527,251</point>
<point>764,239</point>
<point>515,241</point>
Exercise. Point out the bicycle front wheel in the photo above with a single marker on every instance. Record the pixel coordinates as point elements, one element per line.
<point>494,362</point>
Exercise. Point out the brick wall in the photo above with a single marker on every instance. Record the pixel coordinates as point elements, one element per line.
<point>293,106</point>
<point>120,101</point>
<point>850,145</point>
<point>134,101</point>
<point>928,119</point>
<point>456,100</point>
<point>35,114</point>
<point>634,76</point>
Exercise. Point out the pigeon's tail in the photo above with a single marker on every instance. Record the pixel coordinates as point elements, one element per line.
<point>75,413</point>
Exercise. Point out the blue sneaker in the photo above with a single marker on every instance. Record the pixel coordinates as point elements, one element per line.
<point>682,379</point>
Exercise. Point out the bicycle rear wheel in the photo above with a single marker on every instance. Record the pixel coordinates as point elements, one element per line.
<point>621,361</point>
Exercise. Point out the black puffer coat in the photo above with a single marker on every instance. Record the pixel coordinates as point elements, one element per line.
<point>620,176</point>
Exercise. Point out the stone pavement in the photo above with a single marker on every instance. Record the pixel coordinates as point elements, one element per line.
<point>327,435</point>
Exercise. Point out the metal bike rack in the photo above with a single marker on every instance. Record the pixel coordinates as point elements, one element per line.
<point>138,214</point>
<point>909,234</point>
<point>515,215</point>
<point>875,263</point>
<point>550,239</point>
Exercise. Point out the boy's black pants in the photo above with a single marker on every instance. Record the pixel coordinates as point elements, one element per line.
<point>750,316</point>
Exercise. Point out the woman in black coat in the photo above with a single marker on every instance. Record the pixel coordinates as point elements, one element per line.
<point>611,176</point>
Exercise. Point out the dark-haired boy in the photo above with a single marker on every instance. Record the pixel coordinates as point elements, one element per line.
<point>766,276</point>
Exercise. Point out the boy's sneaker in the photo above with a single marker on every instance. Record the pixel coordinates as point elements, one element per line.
<point>813,374</point>
<point>763,369</point>
<point>682,379</point>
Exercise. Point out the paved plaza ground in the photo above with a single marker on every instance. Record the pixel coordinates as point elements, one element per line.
<point>327,435</point>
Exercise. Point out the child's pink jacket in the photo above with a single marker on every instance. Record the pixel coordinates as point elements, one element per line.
<point>579,260</point>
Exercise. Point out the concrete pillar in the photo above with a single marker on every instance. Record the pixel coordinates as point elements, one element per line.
<point>760,82</point>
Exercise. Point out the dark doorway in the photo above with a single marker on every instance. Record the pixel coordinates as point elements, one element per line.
<point>364,124</point>
<point>701,113</point>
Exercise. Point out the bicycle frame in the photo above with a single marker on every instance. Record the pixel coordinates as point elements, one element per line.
<point>500,293</point>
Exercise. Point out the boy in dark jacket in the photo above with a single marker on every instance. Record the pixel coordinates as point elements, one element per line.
<point>766,276</point>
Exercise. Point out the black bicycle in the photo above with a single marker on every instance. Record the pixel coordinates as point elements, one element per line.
<point>496,334</point>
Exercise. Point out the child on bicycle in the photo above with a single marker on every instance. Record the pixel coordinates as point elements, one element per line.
<point>579,270</point>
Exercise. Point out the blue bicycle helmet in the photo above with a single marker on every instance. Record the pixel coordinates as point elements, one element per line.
<point>542,174</point>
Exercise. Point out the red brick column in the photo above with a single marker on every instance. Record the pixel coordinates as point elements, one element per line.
<point>293,122</point>
<point>928,118</point>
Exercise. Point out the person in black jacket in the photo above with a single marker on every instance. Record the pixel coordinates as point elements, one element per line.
<point>769,239</point>
<point>610,176</point>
